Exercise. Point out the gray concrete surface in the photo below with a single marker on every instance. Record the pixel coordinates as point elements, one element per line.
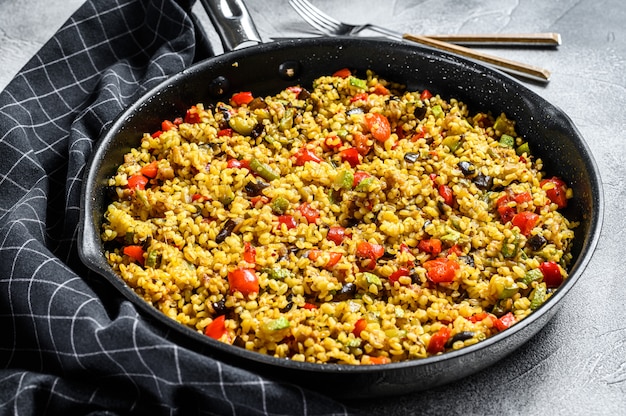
<point>577,364</point>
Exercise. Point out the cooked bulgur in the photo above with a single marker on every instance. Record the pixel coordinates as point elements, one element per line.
<point>353,222</point>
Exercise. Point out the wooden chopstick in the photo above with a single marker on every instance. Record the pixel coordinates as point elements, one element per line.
<point>513,39</point>
<point>507,65</point>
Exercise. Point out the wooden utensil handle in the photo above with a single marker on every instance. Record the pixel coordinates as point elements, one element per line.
<point>520,39</point>
<point>507,65</point>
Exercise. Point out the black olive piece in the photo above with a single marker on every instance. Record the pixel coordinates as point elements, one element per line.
<point>220,307</point>
<point>289,305</point>
<point>355,110</point>
<point>287,308</point>
<point>419,112</point>
<point>466,167</point>
<point>346,292</point>
<point>536,242</point>
<point>219,86</point>
<point>304,94</point>
<point>254,188</point>
<point>411,157</point>
<point>461,336</point>
<point>257,130</point>
<point>415,278</point>
<point>482,181</point>
<point>351,222</point>
<point>289,69</point>
<point>469,260</point>
<point>388,255</point>
<point>225,112</point>
<point>226,231</point>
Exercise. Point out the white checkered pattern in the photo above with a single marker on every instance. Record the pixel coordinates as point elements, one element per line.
<point>69,344</point>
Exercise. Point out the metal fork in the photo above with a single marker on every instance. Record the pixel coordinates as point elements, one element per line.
<point>332,27</point>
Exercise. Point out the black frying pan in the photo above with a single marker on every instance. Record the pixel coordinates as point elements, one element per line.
<point>266,69</point>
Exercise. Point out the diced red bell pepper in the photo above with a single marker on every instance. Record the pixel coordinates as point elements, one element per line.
<point>367,250</point>
<point>243,280</point>
<point>333,257</point>
<point>522,197</point>
<point>362,96</point>
<point>259,198</point>
<point>505,211</point>
<point>525,221</point>
<point>361,143</point>
<point>242,98</point>
<point>137,181</point>
<point>217,328</point>
<point>342,73</point>
<point>380,89</point>
<point>350,155</point>
<point>431,246</point>
<point>446,193</point>
<point>309,306</point>
<point>551,274</point>
<point>395,276</point>
<point>288,220</point>
<point>477,317</point>
<point>358,177</point>
<point>438,340</point>
<point>378,125</point>
<point>296,89</point>
<point>455,249</point>
<point>505,321</point>
<point>225,132</point>
<point>304,155</point>
<point>370,250</point>
<point>249,252</point>
<point>379,360</point>
<point>308,212</point>
<point>556,190</point>
<point>238,164</point>
<point>333,141</point>
<point>336,234</point>
<point>192,115</point>
<point>419,133</point>
<point>150,170</point>
<point>425,95</point>
<point>441,270</point>
<point>359,326</point>
<point>400,132</point>
<point>167,125</point>
<point>135,252</point>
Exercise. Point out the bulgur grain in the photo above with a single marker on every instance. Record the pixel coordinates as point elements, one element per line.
<point>438,174</point>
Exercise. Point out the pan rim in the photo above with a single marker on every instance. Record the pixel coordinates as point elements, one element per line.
<point>545,312</point>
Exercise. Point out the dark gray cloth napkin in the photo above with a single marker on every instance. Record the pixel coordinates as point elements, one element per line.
<point>70,345</point>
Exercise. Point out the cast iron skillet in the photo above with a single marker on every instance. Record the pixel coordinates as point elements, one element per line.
<point>266,69</point>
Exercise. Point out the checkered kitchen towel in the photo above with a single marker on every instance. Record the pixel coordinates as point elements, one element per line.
<point>68,345</point>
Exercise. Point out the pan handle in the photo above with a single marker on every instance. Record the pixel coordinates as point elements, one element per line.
<point>233,23</point>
